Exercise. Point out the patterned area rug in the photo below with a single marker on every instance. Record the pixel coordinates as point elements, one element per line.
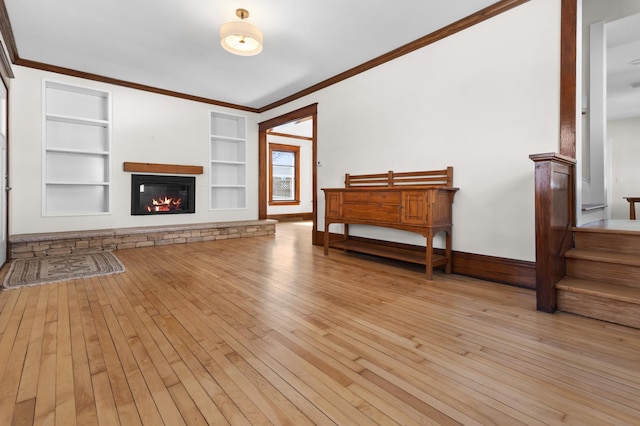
<point>44,270</point>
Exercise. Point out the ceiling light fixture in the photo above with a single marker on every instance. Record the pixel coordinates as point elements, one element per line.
<point>240,37</point>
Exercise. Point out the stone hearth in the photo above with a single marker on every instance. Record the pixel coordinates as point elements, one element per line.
<point>59,243</point>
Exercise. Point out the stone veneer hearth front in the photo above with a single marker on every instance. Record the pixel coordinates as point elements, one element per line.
<point>61,243</point>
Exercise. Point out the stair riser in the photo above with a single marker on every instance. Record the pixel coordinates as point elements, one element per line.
<point>605,272</point>
<point>608,242</point>
<point>600,308</point>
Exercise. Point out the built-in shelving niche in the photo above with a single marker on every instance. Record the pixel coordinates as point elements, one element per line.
<point>76,150</point>
<point>228,167</point>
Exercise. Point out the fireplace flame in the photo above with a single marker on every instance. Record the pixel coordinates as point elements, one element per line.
<point>164,204</point>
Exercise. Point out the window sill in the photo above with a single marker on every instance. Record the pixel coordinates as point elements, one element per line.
<point>284,203</point>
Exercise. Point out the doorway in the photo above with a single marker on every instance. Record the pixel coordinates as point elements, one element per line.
<point>307,114</point>
<point>607,140</point>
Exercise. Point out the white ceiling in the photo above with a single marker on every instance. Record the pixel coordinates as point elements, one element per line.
<point>174,44</point>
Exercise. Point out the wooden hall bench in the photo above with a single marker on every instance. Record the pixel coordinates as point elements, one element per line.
<point>419,202</point>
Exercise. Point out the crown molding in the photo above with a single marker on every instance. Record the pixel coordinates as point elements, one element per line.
<point>7,35</point>
<point>129,84</point>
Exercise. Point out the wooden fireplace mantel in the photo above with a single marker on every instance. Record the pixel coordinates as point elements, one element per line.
<point>163,168</point>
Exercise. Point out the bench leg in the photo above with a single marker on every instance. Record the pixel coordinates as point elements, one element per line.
<point>429,254</point>
<point>326,238</point>
<point>448,252</point>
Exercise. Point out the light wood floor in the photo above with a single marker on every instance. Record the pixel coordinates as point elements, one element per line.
<point>267,330</point>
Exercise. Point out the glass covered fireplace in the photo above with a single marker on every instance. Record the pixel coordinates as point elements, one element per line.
<point>158,194</point>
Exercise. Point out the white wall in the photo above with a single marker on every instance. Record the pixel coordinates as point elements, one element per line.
<point>147,127</point>
<point>481,101</point>
<point>306,176</point>
<point>625,147</point>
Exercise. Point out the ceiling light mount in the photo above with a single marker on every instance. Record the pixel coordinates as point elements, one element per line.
<point>241,37</point>
<point>242,13</point>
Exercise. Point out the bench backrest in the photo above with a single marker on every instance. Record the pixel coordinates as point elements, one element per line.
<point>391,179</point>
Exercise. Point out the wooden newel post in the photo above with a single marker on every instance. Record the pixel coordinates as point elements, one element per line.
<point>555,219</point>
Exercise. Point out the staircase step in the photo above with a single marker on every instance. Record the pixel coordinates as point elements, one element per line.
<point>608,302</point>
<point>608,267</point>
<point>595,288</point>
<point>625,240</point>
<point>604,256</point>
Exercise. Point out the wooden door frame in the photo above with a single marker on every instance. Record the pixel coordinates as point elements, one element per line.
<point>555,174</point>
<point>308,111</point>
<point>568,72</point>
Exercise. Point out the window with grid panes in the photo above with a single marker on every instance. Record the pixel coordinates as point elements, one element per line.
<point>284,168</point>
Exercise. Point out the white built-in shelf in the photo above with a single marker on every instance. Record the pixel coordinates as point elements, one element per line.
<point>228,162</point>
<point>228,171</point>
<point>227,138</point>
<point>76,150</point>
<point>78,183</point>
<point>77,120</point>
